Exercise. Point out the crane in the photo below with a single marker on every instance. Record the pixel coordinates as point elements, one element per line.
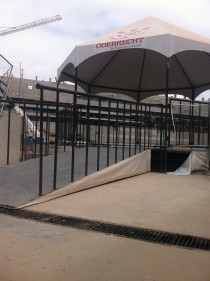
<point>29,25</point>
<point>5,66</point>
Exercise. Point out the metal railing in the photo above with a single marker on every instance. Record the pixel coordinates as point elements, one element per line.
<point>69,140</point>
<point>5,78</point>
<point>117,129</point>
<point>189,123</point>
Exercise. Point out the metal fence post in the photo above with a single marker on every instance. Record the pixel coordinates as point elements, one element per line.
<point>99,136</point>
<point>8,134</point>
<point>41,144</point>
<point>209,132</point>
<point>74,135</point>
<point>56,141</point>
<point>87,136</point>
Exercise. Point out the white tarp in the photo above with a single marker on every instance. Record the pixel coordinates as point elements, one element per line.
<point>196,161</point>
<point>133,166</point>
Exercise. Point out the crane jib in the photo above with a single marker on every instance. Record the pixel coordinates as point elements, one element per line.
<point>30,25</point>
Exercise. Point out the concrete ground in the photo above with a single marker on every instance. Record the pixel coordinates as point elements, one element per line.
<point>152,200</point>
<point>19,183</point>
<point>32,251</point>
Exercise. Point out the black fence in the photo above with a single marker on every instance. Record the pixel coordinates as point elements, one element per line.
<point>189,123</point>
<point>68,138</point>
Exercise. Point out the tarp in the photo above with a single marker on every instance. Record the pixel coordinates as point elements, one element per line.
<point>135,165</point>
<point>196,161</point>
<point>133,60</point>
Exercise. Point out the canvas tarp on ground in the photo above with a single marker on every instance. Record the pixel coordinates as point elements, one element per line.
<point>133,166</point>
<point>196,161</point>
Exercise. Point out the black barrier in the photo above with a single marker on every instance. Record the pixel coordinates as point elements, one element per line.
<point>76,134</point>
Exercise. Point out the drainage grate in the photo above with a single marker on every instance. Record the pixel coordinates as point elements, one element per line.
<point>148,235</point>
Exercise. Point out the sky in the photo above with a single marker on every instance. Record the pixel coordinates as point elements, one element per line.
<point>40,51</point>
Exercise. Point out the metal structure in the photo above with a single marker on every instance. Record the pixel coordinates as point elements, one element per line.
<point>92,132</point>
<point>145,58</point>
<point>143,234</point>
<point>29,25</point>
<point>6,67</point>
<point>5,78</point>
<point>30,128</point>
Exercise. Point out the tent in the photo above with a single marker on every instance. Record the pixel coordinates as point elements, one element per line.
<point>148,57</point>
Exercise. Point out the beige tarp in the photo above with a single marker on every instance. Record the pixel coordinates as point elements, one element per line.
<point>132,60</point>
<point>135,165</point>
<point>197,161</point>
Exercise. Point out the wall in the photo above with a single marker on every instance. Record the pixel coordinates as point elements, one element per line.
<point>15,137</point>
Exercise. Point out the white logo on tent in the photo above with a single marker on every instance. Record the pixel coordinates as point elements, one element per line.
<point>128,34</point>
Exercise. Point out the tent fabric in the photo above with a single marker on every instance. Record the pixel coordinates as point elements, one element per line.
<point>149,33</point>
<point>133,166</point>
<point>132,60</point>
<point>196,161</point>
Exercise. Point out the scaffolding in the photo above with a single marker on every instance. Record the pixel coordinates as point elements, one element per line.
<point>33,24</point>
<point>5,78</point>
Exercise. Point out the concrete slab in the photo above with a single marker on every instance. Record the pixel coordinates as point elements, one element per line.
<point>171,203</point>
<point>20,183</point>
<point>32,251</point>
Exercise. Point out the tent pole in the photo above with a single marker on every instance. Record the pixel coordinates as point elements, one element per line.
<point>138,97</point>
<point>141,74</point>
<point>192,113</point>
<point>209,132</point>
<point>75,85</point>
<point>166,117</point>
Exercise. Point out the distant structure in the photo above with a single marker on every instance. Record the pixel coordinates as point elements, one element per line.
<point>5,66</point>
<point>26,89</point>
<point>5,78</point>
<point>30,25</point>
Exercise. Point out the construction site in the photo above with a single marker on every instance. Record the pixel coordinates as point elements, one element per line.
<point>108,168</point>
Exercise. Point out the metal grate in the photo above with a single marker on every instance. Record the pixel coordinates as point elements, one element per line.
<point>148,235</point>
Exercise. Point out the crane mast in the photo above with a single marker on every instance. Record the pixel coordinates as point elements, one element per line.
<point>5,66</point>
<point>30,25</point>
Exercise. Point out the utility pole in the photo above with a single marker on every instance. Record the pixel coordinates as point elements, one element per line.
<point>21,77</point>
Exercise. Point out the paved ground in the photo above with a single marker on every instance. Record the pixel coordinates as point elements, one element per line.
<point>179,204</point>
<point>20,183</point>
<point>32,251</point>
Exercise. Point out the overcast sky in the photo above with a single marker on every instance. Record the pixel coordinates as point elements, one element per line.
<point>42,50</point>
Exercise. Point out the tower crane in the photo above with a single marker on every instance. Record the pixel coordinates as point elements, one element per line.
<point>29,25</point>
<point>6,67</point>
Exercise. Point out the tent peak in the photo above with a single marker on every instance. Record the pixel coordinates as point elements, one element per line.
<point>132,59</point>
<point>147,27</point>
<point>161,26</point>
